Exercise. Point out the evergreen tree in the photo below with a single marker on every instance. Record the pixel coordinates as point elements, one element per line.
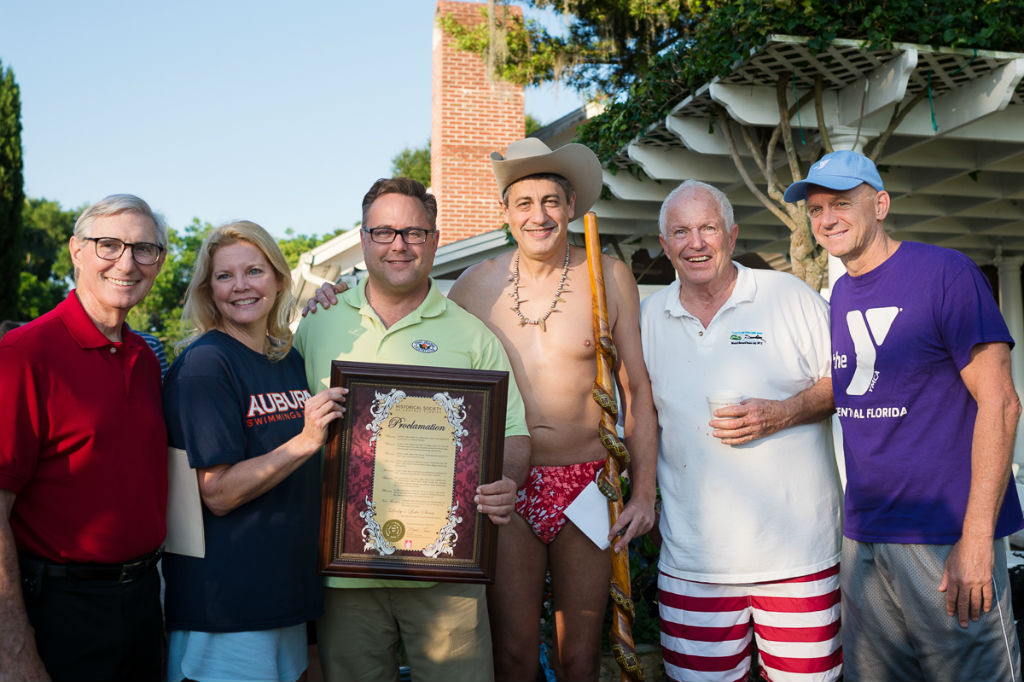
<point>12,193</point>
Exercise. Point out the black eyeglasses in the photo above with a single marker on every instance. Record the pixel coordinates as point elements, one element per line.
<point>111,248</point>
<point>386,235</point>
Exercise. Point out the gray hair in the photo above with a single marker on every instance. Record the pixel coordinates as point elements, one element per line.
<point>116,204</point>
<point>690,187</point>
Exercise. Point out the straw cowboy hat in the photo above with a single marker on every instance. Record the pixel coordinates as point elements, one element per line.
<point>574,162</point>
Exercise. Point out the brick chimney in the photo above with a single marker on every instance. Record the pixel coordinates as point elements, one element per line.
<point>471,116</point>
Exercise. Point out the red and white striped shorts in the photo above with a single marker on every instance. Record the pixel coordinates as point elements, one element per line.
<point>706,628</point>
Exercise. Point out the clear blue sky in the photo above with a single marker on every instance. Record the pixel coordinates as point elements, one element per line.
<point>281,113</point>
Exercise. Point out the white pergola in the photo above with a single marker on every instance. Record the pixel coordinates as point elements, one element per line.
<point>954,166</point>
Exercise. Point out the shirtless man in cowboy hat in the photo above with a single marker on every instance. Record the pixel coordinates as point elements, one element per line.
<point>537,300</point>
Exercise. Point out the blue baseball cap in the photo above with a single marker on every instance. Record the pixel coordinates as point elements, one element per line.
<point>840,170</point>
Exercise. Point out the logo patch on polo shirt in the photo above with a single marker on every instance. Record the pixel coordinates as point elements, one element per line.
<point>424,346</point>
<point>746,339</point>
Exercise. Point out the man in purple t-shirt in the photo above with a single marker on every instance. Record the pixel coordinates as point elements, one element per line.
<point>921,377</point>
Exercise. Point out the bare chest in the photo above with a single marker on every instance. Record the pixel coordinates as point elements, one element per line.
<point>544,332</point>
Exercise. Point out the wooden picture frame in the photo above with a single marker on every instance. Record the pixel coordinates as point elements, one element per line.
<point>401,470</point>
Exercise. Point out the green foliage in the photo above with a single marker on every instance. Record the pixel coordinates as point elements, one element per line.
<point>413,162</point>
<point>608,43</point>
<point>36,297</point>
<point>45,262</point>
<point>643,578</point>
<point>721,33</point>
<point>532,125</point>
<point>297,244</point>
<point>12,194</point>
<point>47,229</point>
<point>160,312</point>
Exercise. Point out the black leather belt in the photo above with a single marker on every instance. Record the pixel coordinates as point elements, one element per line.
<point>127,572</point>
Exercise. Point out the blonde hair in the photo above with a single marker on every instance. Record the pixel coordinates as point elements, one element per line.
<point>200,309</point>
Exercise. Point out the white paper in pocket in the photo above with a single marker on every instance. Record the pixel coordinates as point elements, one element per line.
<point>589,511</point>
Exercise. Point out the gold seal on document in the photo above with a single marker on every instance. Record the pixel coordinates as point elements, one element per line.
<point>393,530</point>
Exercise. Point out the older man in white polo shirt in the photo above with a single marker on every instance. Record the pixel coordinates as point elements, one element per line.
<point>750,493</point>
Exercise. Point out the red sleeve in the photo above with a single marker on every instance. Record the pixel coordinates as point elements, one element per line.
<point>20,426</point>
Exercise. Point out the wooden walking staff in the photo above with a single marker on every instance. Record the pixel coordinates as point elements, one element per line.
<point>621,634</point>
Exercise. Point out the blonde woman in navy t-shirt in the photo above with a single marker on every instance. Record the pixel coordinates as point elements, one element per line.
<point>237,401</point>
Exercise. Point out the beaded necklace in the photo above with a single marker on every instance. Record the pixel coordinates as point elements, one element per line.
<point>540,322</point>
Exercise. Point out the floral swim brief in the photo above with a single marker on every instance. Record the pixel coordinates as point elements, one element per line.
<point>548,491</point>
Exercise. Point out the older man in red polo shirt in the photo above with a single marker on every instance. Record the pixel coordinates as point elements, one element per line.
<point>83,466</point>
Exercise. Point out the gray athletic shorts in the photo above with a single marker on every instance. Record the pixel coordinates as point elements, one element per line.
<point>895,626</point>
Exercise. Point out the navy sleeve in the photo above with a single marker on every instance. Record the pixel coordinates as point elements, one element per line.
<point>203,407</point>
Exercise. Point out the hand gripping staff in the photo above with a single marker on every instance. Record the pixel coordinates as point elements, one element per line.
<point>621,634</point>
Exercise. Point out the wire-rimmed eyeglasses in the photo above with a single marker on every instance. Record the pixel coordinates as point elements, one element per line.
<point>111,248</point>
<point>386,235</point>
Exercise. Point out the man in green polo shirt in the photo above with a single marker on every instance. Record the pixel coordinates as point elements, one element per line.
<point>398,315</point>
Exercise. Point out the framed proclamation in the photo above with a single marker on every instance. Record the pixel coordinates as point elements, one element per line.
<point>401,470</point>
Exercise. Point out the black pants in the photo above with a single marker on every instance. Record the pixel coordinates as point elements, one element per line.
<point>96,629</point>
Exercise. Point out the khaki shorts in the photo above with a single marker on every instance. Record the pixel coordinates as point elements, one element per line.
<point>444,628</point>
